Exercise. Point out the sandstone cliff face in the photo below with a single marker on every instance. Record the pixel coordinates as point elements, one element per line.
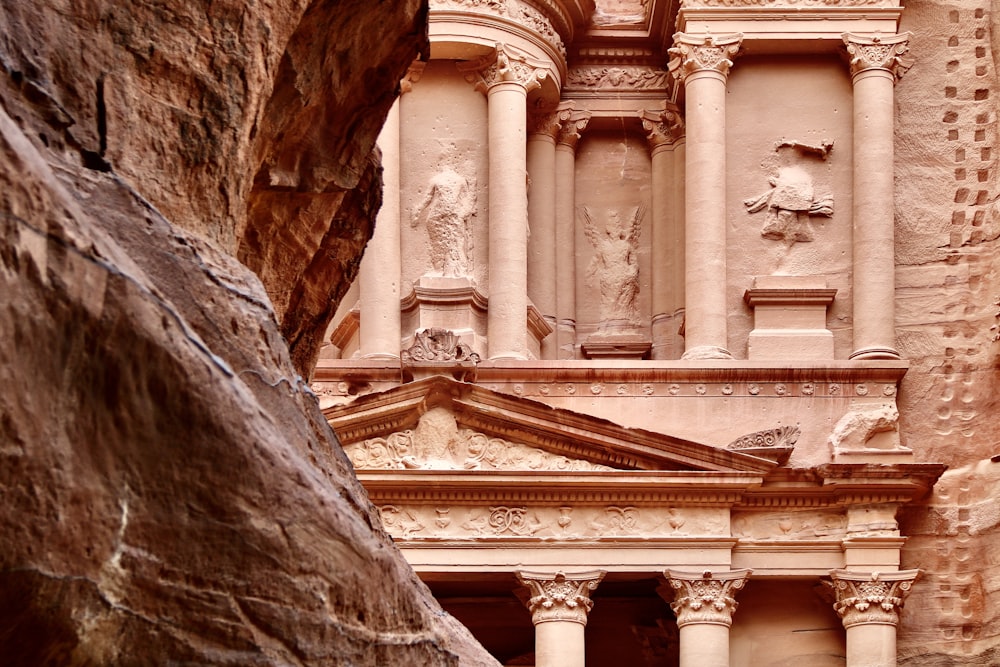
<point>947,226</point>
<point>169,490</point>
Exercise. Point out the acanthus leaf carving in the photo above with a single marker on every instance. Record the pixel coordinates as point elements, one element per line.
<point>705,597</point>
<point>663,126</point>
<point>692,53</point>
<point>572,126</point>
<point>505,65</point>
<point>871,597</point>
<point>560,597</point>
<point>886,52</point>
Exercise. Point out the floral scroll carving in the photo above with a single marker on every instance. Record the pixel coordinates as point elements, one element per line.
<point>438,345</point>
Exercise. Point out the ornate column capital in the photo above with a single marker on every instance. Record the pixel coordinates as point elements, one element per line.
<point>573,124</point>
<point>691,53</point>
<point>878,52</point>
<point>548,123</point>
<point>504,65</point>
<point>705,597</point>
<point>560,596</point>
<point>413,74</point>
<point>870,598</point>
<point>664,126</point>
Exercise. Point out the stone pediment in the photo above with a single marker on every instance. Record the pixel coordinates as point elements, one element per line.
<point>443,424</point>
<point>437,443</point>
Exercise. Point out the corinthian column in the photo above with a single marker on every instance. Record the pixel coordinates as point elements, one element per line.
<point>665,130</point>
<point>868,605</point>
<point>542,219</point>
<point>506,78</point>
<point>559,605</point>
<point>566,141</point>
<point>876,63</point>
<point>702,65</point>
<point>704,605</point>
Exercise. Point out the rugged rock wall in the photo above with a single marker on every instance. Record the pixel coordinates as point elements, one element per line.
<point>168,488</point>
<point>948,287</point>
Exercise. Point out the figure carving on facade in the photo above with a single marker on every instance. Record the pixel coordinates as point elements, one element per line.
<point>792,200</point>
<point>447,211</point>
<point>615,265</point>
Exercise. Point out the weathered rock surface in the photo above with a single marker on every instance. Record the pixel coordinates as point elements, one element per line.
<point>170,492</point>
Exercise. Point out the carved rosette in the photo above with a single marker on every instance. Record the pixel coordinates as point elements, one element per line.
<point>505,65</point>
<point>705,597</point>
<point>560,597</point>
<point>874,598</point>
<point>691,53</point>
<point>885,52</point>
<point>664,126</point>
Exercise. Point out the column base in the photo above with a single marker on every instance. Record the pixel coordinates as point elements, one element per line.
<point>874,353</point>
<point>706,352</point>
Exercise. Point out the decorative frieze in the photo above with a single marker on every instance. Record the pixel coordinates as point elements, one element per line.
<point>705,597</point>
<point>505,65</point>
<point>560,597</point>
<point>871,598</point>
<point>692,53</point>
<point>886,52</point>
<point>631,77</point>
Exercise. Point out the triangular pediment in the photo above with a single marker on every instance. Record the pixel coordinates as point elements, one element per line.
<point>489,430</point>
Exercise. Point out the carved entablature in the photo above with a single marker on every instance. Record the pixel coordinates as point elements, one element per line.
<point>694,53</point>
<point>505,65</point>
<point>631,77</point>
<point>438,444</point>
<point>664,126</point>
<point>560,597</point>
<point>871,597</point>
<point>885,52</point>
<point>705,597</point>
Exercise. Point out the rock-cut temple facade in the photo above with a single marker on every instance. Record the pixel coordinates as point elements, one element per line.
<point>620,370</point>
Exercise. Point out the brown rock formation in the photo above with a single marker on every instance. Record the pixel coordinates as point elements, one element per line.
<point>170,491</point>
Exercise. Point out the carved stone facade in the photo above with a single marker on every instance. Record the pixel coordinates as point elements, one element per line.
<point>645,345</point>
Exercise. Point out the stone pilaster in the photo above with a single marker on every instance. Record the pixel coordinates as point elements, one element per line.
<point>569,135</point>
<point>701,64</point>
<point>559,604</point>
<point>704,604</point>
<point>506,78</point>
<point>876,62</point>
<point>665,136</point>
<point>868,605</point>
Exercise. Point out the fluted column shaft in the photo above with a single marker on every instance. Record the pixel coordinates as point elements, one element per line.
<point>704,605</point>
<point>379,273</point>
<point>703,66</point>
<point>559,605</point>
<point>869,604</point>
<point>875,64</point>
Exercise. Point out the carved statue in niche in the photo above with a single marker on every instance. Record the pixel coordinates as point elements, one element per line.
<point>792,200</point>
<point>615,265</point>
<point>447,212</point>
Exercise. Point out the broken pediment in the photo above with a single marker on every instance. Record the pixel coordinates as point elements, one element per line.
<point>439,423</point>
<point>437,443</point>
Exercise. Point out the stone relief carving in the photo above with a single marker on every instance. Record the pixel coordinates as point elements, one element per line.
<point>438,444</point>
<point>504,65</point>
<point>792,200</point>
<point>560,597</point>
<point>619,12</point>
<point>631,77</point>
<point>789,525</point>
<point>446,212</point>
<point>567,522</point>
<point>886,52</point>
<point>438,345</point>
<point>783,436</point>
<point>615,265</point>
<point>708,598</point>
<point>859,425</point>
<point>691,53</point>
<point>871,598</point>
